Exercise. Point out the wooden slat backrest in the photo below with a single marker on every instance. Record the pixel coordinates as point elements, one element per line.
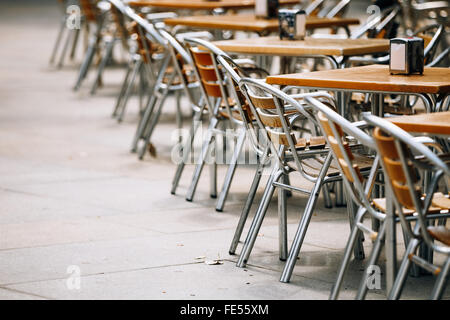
<point>394,169</point>
<point>206,71</point>
<point>334,144</point>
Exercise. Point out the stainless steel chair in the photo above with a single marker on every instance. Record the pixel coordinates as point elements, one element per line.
<point>95,13</point>
<point>306,156</point>
<point>404,161</point>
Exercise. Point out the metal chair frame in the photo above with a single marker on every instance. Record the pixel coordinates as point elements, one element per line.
<point>281,170</point>
<point>404,146</point>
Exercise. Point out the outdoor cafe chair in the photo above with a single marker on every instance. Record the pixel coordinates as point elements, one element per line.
<point>95,13</point>
<point>146,58</point>
<point>72,35</point>
<point>277,113</point>
<point>337,130</point>
<point>168,81</point>
<point>405,163</point>
<point>222,114</point>
<point>118,34</point>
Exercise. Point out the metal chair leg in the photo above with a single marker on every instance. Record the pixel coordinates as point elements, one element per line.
<point>246,209</point>
<point>64,50</point>
<point>143,121</point>
<point>402,274</point>
<point>358,251</point>
<point>441,281</point>
<point>201,161</point>
<point>347,254</point>
<point>152,124</point>
<point>186,151</point>
<point>231,170</point>
<point>304,222</point>
<point>258,218</point>
<point>282,216</point>
<point>376,250</point>
<point>74,43</point>
<point>128,90</point>
<point>123,88</point>
<point>58,39</point>
<point>327,198</point>
<point>86,64</point>
<point>109,45</point>
<point>213,177</point>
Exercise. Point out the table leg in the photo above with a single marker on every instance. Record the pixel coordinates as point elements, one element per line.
<point>390,242</point>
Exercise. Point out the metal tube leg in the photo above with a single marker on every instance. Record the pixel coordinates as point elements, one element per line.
<point>304,222</point>
<point>358,248</point>
<point>58,39</point>
<point>282,216</point>
<point>327,198</point>
<point>127,93</point>
<point>362,291</point>
<point>201,161</point>
<point>86,64</point>
<point>258,218</point>
<point>66,46</point>
<point>108,53</point>
<point>122,90</point>
<point>402,274</point>
<point>213,178</point>
<point>347,255</point>
<point>143,122</point>
<point>230,172</point>
<point>340,201</point>
<point>186,151</point>
<point>179,115</point>
<point>441,282</point>
<point>246,209</point>
<point>74,43</point>
<point>152,124</point>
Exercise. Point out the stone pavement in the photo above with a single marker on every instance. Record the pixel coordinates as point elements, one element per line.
<point>72,197</point>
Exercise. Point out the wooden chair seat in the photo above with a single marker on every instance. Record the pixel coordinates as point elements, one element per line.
<point>440,202</point>
<point>440,233</point>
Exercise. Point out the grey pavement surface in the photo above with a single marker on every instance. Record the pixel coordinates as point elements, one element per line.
<point>72,196</point>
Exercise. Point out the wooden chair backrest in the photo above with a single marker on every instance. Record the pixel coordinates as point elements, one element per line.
<point>394,169</point>
<point>205,68</point>
<point>334,145</point>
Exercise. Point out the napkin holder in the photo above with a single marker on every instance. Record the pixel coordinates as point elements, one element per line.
<point>292,24</point>
<point>406,56</point>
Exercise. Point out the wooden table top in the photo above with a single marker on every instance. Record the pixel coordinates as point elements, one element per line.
<point>370,78</point>
<point>201,4</point>
<point>249,22</point>
<point>433,123</point>
<point>310,46</point>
